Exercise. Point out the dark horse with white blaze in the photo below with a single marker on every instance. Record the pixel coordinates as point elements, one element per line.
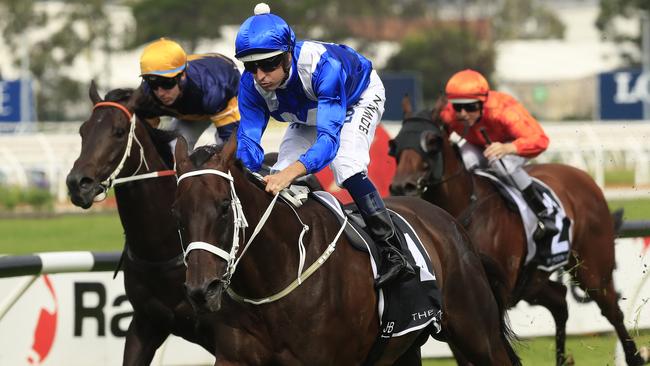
<point>329,317</point>
<point>439,176</point>
<point>117,147</point>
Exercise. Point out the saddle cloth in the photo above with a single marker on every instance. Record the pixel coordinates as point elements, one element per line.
<point>406,306</point>
<point>560,243</point>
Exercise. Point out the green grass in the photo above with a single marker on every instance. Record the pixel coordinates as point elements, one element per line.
<point>97,232</point>
<point>619,177</point>
<point>586,350</point>
<point>636,209</point>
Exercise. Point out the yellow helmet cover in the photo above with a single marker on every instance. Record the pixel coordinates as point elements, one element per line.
<point>164,58</point>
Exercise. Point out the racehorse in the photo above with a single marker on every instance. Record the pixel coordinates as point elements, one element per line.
<point>439,176</point>
<point>117,147</point>
<point>328,315</point>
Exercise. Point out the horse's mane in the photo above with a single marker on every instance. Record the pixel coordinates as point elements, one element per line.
<point>160,138</point>
<point>202,154</point>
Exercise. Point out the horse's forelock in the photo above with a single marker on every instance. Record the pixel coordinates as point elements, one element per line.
<point>118,95</point>
<point>203,154</point>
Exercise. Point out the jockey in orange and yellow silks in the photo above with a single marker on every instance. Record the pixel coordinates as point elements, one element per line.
<point>514,137</point>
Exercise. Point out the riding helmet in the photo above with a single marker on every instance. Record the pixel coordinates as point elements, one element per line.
<point>467,86</point>
<point>263,35</point>
<point>164,58</point>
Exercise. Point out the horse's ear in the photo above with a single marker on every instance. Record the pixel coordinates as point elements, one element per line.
<point>407,107</point>
<point>430,142</point>
<point>229,149</point>
<point>93,94</point>
<point>440,104</point>
<point>183,163</point>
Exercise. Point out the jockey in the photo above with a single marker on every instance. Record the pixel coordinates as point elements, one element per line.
<point>333,100</point>
<point>515,138</point>
<point>195,90</point>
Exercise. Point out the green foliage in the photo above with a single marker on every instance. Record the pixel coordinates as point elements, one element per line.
<point>186,21</point>
<point>439,53</point>
<point>610,11</point>
<point>74,30</point>
<point>191,20</point>
<point>37,198</point>
<point>526,19</point>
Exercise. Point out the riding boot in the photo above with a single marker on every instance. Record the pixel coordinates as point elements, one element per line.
<point>546,227</point>
<point>393,264</point>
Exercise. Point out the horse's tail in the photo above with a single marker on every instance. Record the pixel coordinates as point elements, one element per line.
<point>497,280</point>
<point>617,216</point>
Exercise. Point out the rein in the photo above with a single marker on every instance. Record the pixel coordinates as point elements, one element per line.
<point>240,224</point>
<point>112,180</point>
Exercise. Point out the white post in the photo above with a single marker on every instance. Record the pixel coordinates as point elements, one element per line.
<point>25,108</point>
<point>645,59</point>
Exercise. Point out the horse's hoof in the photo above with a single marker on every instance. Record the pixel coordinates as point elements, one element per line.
<point>569,361</point>
<point>644,352</point>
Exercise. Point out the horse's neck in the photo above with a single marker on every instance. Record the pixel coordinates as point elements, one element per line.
<point>271,259</point>
<point>457,189</point>
<point>144,206</point>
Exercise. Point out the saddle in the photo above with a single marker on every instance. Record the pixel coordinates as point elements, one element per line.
<point>405,306</point>
<point>560,243</point>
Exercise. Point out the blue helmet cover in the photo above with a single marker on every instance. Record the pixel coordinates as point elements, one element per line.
<point>264,33</point>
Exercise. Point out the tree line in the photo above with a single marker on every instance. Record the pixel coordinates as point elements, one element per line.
<point>435,37</point>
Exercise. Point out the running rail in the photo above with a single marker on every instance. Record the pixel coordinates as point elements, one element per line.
<point>34,265</point>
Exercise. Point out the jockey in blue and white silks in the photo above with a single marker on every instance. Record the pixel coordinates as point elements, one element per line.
<point>333,100</point>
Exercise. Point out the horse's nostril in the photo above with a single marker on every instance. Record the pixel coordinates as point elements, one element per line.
<point>196,295</point>
<point>85,183</point>
<point>410,188</point>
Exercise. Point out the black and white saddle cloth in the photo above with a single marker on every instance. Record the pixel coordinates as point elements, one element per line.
<point>560,244</point>
<point>403,307</point>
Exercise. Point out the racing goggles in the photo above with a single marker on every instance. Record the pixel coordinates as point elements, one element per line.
<point>266,65</point>
<point>468,107</point>
<point>155,82</point>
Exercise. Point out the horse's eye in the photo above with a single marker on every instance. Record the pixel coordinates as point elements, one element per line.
<point>224,207</point>
<point>119,132</point>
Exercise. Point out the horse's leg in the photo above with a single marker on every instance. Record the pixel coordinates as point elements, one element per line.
<point>142,341</point>
<point>475,328</point>
<point>553,297</point>
<point>458,356</point>
<point>600,287</point>
<point>412,357</point>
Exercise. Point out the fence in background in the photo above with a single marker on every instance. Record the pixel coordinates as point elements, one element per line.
<point>43,158</point>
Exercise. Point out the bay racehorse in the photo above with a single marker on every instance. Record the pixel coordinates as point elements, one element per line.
<point>328,314</point>
<point>439,177</point>
<point>118,148</point>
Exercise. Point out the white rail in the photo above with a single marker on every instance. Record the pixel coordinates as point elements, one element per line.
<point>45,158</point>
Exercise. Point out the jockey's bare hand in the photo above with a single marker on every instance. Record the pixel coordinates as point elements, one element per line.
<point>281,180</point>
<point>497,150</point>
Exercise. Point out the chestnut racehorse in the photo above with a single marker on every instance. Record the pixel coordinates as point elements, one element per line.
<point>439,176</point>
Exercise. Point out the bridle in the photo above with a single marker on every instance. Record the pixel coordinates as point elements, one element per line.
<point>239,226</point>
<point>112,179</point>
